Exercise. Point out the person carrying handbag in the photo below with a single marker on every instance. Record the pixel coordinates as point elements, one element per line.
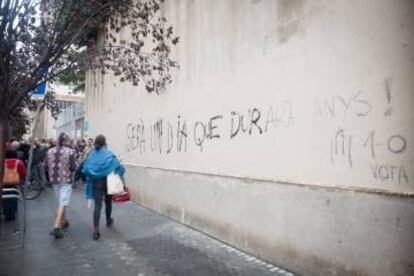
<point>98,165</point>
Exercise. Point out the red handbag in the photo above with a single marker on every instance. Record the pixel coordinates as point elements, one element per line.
<point>122,196</point>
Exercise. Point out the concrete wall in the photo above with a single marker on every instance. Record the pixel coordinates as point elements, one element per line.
<point>313,231</point>
<point>287,131</point>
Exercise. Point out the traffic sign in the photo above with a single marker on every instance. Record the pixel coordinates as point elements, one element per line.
<point>40,92</point>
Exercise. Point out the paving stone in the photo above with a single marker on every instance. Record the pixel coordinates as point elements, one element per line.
<point>140,242</point>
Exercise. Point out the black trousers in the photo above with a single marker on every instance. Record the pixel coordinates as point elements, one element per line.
<point>99,189</point>
<point>9,204</point>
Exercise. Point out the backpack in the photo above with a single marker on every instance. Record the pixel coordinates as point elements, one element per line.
<point>11,176</point>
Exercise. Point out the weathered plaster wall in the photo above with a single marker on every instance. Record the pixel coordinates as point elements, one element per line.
<point>318,94</point>
<point>312,231</point>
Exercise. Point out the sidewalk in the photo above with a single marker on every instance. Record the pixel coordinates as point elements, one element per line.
<point>141,242</point>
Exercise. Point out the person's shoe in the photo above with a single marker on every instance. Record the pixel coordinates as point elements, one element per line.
<point>96,235</point>
<point>109,222</point>
<point>57,233</point>
<point>65,224</point>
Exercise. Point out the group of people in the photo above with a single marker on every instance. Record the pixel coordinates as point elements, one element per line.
<point>40,148</point>
<point>61,160</point>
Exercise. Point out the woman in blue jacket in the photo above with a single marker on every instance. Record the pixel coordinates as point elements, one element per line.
<point>99,163</point>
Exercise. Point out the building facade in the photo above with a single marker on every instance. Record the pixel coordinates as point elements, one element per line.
<point>45,128</point>
<point>287,132</point>
<point>71,117</point>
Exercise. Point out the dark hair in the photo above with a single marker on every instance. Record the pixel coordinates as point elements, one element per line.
<point>11,154</point>
<point>100,142</point>
<point>62,139</point>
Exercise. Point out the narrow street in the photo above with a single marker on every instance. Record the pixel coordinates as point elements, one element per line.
<point>141,242</point>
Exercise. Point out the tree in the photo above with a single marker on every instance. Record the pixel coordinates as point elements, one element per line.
<point>19,124</point>
<point>41,39</point>
<point>75,78</point>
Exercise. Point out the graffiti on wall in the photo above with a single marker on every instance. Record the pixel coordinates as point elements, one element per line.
<point>339,107</point>
<point>347,148</point>
<point>344,143</point>
<point>165,136</point>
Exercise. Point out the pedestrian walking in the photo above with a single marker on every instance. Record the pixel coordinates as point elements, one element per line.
<point>15,145</point>
<point>99,163</point>
<point>88,148</point>
<point>12,161</point>
<point>14,173</point>
<point>61,165</point>
<point>52,143</point>
<point>80,149</point>
<point>39,155</point>
<point>80,146</point>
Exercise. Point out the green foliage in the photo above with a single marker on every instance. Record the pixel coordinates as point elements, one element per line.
<point>73,77</point>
